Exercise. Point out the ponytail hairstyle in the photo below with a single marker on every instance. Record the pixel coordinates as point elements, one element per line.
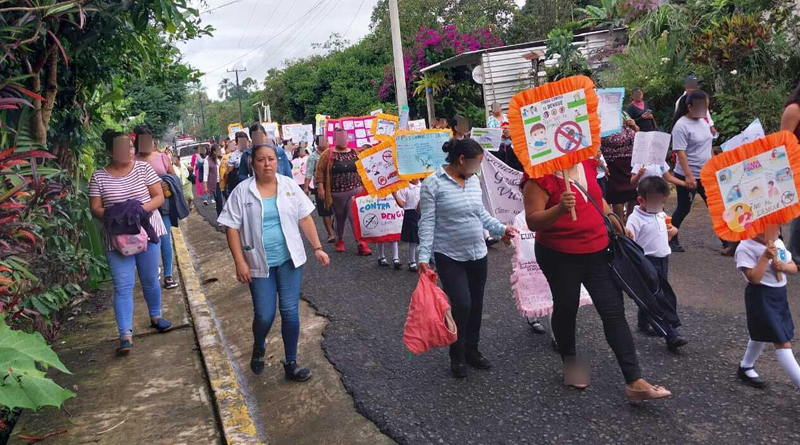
<point>108,138</point>
<point>455,148</point>
<point>138,131</point>
<point>683,104</point>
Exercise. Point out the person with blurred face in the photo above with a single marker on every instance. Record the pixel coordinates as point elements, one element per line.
<point>264,216</point>
<point>640,111</point>
<point>693,84</point>
<point>311,168</point>
<point>259,137</point>
<point>337,183</point>
<point>123,180</point>
<point>496,119</point>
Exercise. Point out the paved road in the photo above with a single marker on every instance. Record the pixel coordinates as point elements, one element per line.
<point>521,400</point>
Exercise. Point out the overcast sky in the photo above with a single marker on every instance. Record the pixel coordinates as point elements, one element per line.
<point>262,34</point>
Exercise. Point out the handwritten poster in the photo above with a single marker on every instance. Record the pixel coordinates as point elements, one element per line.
<point>418,153</point>
<point>358,129</point>
<point>650,148</point>
<point>609,108</point>
<point>501,193</point>
<point>298,133</point>
<point>378,170</point>
<point>751,133</point>
<point>378,220</point>
<point>489,138</point>
<point>299,170</point>
<point>753,186</point>
<point>555,125</point>
<point>384,125</point>
<point>271,130</point>
<point>320,120</point>
<point>417,125</point>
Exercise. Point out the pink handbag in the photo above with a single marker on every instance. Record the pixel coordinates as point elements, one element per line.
<point>129,245</point>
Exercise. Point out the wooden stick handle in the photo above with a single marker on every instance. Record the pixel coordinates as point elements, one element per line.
<point>565,172</point>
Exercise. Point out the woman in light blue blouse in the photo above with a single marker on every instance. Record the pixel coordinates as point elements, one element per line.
<point>452,209</point>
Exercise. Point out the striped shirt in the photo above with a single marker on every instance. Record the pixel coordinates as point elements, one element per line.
<point>113,190</point>
<point>453,219</point>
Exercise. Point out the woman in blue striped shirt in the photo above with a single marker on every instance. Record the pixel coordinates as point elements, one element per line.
<point>451,229</point>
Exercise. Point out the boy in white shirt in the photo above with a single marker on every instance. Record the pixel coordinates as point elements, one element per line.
<point>652,231</point>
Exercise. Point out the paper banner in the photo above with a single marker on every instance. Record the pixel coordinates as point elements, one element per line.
<point>384,125</point>
<point>650,148</point>
<point>378,170</point>
<point>489,138</point>
<point>359,130</point>
<point>753,186</point>
<point>320,120</point>
<point>271,130</point>
<point>418,153</point>
<point>298,133</point>
<point>555,126</point>
<point>378,220</point>
<point>528,283</point>
<point>609,108</point>
<point>417,125</point>
<point>501,193</point>
<point>751,133</point>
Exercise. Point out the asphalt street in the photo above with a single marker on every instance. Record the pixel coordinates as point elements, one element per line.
<point>521,399</point>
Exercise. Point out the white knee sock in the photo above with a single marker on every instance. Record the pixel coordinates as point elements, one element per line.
<point>381,250</point>
<point>754,350</point>
<point>412,253</point>
<point>789,364</point>
<point>396,251</point>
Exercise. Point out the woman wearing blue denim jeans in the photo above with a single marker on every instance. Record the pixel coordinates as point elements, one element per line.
<point>264,215</point>
<point>121,180</point>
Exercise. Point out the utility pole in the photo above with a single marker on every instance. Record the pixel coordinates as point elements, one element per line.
<point>268,113</point>
<point>397,51</point>
<point>239,92</point>
<point>202,111</point>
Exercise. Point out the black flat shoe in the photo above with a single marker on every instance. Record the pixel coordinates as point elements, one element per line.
<point>675,245</point>
<point>295,373</point>
<point>676,341</point>
<point>647,330</point>
<point>382,262</point>
<point>257,361</point>
<point>458,370</point>
<point>474,358</point>
<point>537,328</point>
<point>755,382</point>
<point>397,264</point>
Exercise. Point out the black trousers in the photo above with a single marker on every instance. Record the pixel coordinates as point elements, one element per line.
<point>669,307</point>
<point>464,282</point>
<point>565,273</point>
<point>218,202</point>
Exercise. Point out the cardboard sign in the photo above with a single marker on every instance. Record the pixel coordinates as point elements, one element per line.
<point>609,109</point>
<point>418,153</point>
<point>417,125</point>
<point>299,170</point>
<point>376,112</point>
<point>753,186</point>
<point>320,120</point>
<point>271,130</point>
<point>501,193</point>
<point>528,283</point>
<point>378,170</point>
<point>359,130</point>
<point>378,220</point>
<point>751,133</point>
<point>650,148</point>
<point>489,138</point>
<point>298,133</point>
<point>384,125</point>
<point>555,126</point>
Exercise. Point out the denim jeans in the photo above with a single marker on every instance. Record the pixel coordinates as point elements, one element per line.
<point>283,285</point>
<point>122,267</point>
<point>166,247</point>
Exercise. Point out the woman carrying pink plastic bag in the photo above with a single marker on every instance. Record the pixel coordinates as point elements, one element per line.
<point>429,323</point>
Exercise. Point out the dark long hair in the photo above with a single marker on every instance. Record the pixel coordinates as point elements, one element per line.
<point>138,131</point>
<point>455,148</point>
<point>108,138</point>
<point>793,98</point>
<point>683,104</point>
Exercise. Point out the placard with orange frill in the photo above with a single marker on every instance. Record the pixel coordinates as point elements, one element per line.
<point>378,171</point>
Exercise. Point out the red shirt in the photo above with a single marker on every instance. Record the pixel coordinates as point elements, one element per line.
<point>587,234</point>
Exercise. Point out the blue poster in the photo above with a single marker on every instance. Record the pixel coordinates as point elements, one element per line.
<point>610,110</point>
<point>418,153</point>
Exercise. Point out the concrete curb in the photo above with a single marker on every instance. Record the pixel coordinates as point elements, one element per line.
<point>237,426</point>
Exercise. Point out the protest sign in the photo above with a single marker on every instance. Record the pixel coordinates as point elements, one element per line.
<point>378,170</point>
<point>299,170</point>
<point>650,148</point>
<point>489,138</point>
<point>384,125</point>
<point>418,153</point>
<point>528,283</point>
<point>376,112</point>
<point>233,128</point>
<point>753,186</point>
<point>417,125</point>
<point>555,126</point>
<point>358,129</point>
<point>320,120</point>
<point>298,133</point>
<point>751,133</point>
<point>501,192</point>
<point>378,220</point>
<point>609,108</point>
<point>271,130</point>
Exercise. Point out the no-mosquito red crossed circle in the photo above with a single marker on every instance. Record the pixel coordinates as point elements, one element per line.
<point>566,140</point>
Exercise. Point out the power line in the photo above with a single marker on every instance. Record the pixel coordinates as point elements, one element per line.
<point>249,19</point>
<point>222,6</point>
<point>266,41</point>
<point>354,19</point>
<point>266,22</point>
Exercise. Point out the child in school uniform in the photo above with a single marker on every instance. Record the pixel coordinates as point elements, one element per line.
<point>648,224</point>
<point>408,199</point>
<point>768,317</point>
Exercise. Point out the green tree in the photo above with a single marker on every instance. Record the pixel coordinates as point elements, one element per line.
<point>539,17</point>
<point>224,88</point>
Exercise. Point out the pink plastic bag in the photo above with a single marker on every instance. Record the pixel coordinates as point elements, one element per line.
<point>429,323</point>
